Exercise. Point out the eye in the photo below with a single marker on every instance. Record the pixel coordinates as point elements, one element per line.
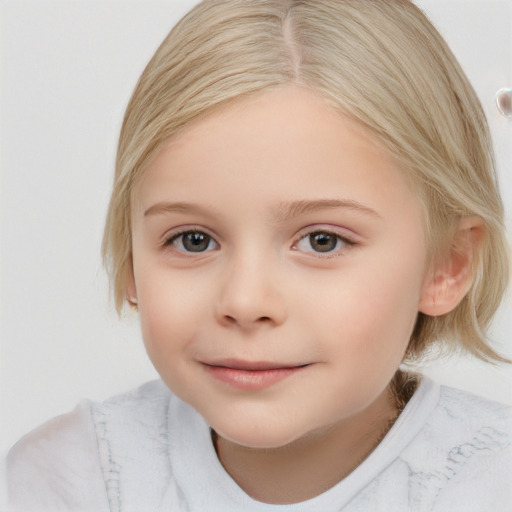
<point>192,241</point>
<point>322,242</point>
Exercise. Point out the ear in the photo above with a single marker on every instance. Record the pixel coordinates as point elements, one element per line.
<point>451,277</point>
<point>130,289</point>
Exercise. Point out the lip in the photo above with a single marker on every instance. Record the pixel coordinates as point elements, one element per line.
<point>251,375</point>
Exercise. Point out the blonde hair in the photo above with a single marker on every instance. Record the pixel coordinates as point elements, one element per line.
<point>379,62</point>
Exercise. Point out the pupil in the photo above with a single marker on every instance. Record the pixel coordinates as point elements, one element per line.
<point>323,242</point>
<point>196,242</point>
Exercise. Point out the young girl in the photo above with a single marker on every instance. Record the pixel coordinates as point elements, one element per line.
<point>304,200</point>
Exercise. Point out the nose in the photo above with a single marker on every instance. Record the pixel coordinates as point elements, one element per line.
<point>251,294</point>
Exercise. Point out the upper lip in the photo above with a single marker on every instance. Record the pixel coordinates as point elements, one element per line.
<point>239,364</point>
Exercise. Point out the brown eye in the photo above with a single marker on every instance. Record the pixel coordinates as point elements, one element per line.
<point>322,241</point>
<point>196,242</point>
<point>193,241</point>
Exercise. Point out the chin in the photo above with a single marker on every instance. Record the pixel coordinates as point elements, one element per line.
<point>257,437</point>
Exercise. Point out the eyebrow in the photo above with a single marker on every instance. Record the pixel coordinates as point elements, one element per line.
<point>283,212</point>
<point>164,207</point>
<point>293,209</point>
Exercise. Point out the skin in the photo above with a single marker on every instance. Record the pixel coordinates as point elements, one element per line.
<point>255,179</point>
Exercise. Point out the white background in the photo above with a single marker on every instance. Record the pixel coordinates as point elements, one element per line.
<point>67,70</point>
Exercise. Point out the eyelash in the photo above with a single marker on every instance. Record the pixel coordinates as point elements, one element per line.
<point>174,237</point>
<point>346,242</point>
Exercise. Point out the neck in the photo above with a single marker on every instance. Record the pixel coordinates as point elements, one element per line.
<point>313,464</point>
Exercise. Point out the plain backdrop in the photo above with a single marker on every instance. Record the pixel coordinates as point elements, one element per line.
<point>67,70</point>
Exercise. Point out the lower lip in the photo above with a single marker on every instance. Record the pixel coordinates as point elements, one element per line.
<point>251,380</point>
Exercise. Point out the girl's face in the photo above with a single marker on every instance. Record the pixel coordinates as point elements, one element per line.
<point>279,259</point>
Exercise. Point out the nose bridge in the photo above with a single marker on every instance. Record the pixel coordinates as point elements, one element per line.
<point>250,293</point>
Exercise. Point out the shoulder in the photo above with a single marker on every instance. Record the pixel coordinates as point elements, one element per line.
<point>152,397</point>
<point>66,463</point>
<point>475,409</point>
<point>470,424</point>
<point>453,416</point>
<point>137,419</point>
<point>55,467</point>
<point>462,455</point>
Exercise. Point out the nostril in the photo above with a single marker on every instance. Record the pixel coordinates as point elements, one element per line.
<point>229,319</point>
<point>246,322</point>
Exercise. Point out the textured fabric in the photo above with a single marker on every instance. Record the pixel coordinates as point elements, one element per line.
<point>149,451</point>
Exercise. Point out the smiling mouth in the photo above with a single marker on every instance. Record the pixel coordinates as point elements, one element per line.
<point>251,376</point>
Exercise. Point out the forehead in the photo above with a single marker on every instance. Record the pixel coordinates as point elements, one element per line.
<point>285,143</point>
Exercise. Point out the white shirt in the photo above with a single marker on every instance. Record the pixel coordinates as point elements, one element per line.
<point>147,451</point>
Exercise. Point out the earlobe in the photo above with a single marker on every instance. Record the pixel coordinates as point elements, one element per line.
<point>451,278</point>
<point>131,290</point>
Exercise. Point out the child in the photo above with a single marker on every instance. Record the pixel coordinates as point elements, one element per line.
<point>304,199</point>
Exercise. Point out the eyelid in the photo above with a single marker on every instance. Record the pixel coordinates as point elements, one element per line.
<point>174,233</point>
<point>346,235</point>
<point>185,228</point>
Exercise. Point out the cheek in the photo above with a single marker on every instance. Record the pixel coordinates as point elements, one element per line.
<point>170,309</point>
<point>370,311</point>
